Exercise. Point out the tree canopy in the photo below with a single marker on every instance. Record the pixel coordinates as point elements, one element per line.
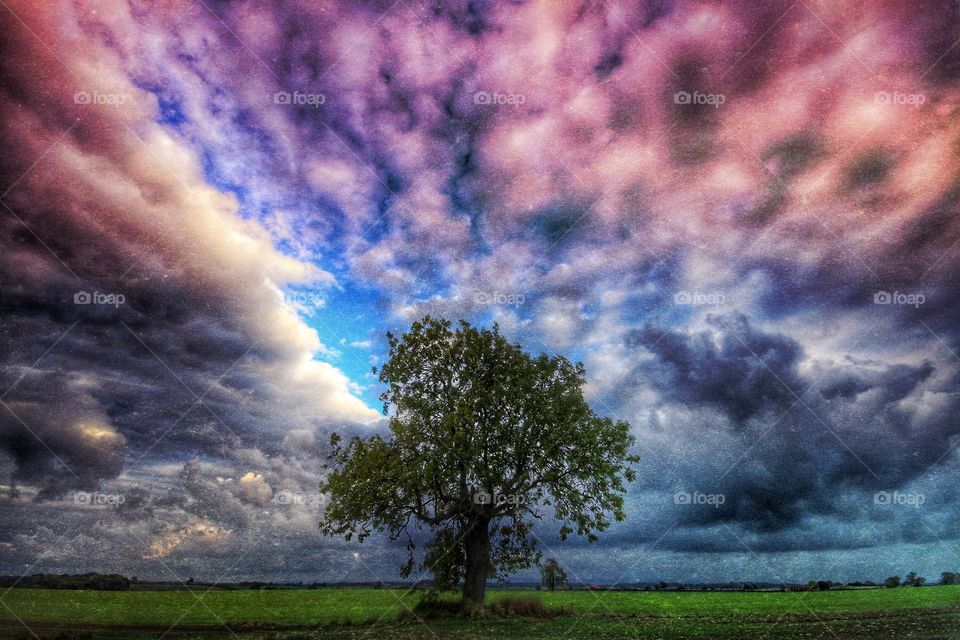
<point>484,439</point>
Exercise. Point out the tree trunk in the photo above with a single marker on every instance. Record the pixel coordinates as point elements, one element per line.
<point>477,543</point>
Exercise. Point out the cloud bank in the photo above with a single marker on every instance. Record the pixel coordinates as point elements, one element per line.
<point>741,218</point>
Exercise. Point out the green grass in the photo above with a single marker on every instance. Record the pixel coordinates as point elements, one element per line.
<point>281,606</point>
<point>931,612</point>
<point>762,602</point>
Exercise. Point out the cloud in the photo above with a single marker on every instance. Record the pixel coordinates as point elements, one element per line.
<point>254,488</point>
<point>738,412</point>
<point>591,159</point>
<point>746,373</point>
<point>126,269</point>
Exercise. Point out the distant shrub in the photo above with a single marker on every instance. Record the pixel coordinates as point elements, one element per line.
<point>523,607</point>
<point>913,580</point>
<point>509,607</point>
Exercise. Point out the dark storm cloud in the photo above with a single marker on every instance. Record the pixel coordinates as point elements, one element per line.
<point>747,373</point>
<point>794,446</point>
<point>891,384</point>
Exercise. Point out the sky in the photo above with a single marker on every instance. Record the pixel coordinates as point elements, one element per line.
<point>740,216</point>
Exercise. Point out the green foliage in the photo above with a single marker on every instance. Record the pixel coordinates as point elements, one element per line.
<point>481,434</point>
<point>913,580</point>
<point>552,575</point>
<point>891,582</point>
<point>949,577</point>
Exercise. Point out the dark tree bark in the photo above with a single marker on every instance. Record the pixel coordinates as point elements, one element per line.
<point>477,544</point>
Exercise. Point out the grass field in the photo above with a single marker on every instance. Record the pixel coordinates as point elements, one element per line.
<point>929,612</point>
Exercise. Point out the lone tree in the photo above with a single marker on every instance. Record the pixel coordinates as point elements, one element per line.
<point>484,439</point>
<point>553,575</point>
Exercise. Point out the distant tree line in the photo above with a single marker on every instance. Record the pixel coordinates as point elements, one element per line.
<point>553,577</point>
<point>914,580</point>
<point>94,581</point>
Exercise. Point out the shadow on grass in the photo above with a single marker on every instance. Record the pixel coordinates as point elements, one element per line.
<point>519,607</point>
